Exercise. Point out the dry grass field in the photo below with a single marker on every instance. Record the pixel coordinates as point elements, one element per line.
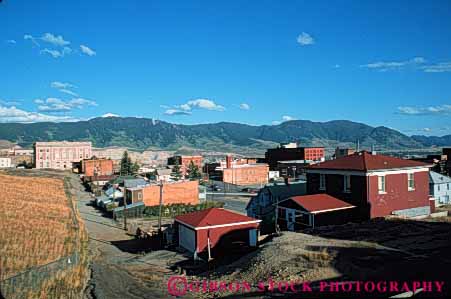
<point>38,226</point>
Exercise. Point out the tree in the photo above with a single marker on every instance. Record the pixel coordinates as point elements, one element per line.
<point>193,171</point>
<point>126,164</point>
<point>176,172</point>
<point>135,168</point>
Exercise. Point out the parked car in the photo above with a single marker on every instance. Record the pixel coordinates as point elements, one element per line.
<point>250,190</point>
<point>215,187</point>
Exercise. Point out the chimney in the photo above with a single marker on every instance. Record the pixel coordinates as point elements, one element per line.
<point>229,160</point>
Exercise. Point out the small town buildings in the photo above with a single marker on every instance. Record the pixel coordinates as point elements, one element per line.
<point>287,152</point>
<point>177,192</point>
<point>60,154</point>
<point>263,205</point>
<point>185,161</point>
<point>242,174</point>
<point>343,152</point>
<point>293,168</point>
<point>299,212</point>
<point>212,232</point>
<point>97,167</point>
<point>440,188</point>
<point>163,174</point>
<point>5,162</point>
<point>377,185</point>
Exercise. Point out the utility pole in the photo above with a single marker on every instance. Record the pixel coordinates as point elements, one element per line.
<point>161,207</point>
<point>125,208</point>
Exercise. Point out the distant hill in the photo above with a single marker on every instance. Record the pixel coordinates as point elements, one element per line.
<point>433,140</point>
<point>143,133</point>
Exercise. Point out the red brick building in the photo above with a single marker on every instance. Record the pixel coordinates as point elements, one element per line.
<point>219,229</point>
<point>377,185</point>
<point>180,192</point>
<point>274,155</point>
<point>185,161</point>
<point>244,174</point>
<point>97,167</point>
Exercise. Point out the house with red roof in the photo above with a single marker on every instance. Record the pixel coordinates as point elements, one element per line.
<point>298,212</point>
<point>215,230</point>
<point>377,185</point>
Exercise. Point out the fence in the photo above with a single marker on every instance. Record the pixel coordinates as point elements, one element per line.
<point>32,280</point>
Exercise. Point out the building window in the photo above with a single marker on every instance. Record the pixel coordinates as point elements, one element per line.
<point>447,186</point>
<point>322,182</point>
<point>347,183</point>
<point>438,187</point>
<point>381,184</point>
<point>140,196</point>
<point>411,181</point>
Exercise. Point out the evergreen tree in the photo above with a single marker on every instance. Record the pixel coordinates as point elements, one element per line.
<point>176,171</point>
<point>193,171</point>
<point>126,164</point>
<point>135,168</point>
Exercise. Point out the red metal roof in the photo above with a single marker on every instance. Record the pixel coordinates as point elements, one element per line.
<point>363,161</point>
<point>212,216</point>
<point>318,203</point>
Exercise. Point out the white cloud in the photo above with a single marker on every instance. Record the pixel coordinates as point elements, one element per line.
<point>337,66</point>
<point>33,39</point>
<point>58,105</point>
<point>53,53</point>
<point>430,110</point>
<point>284,119</point>
<point>61,85</point>
<point>244,106</point>
<point>201,104</point>
<point>11,41</point>
<point>13,114</point>
<point>394,65</point>
<point>176,112</point>
<point>441,67</point>
<point>56,40</point>
<point>110,115</point>
<point>70,92</point>
<point>10,102</point>
<point>86,50</point>
<point>305,39</point>
<point>287,118</point>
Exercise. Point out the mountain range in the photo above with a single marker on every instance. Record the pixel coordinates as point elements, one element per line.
<point>144,133</point>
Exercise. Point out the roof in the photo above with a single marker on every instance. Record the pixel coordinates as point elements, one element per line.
<point>133,183</point>
<point>320,203</point>
<point>284,190</point>
<point>130,206</point>
<point>364,161</point>
<point>437,178</point>
<point>213,217</point>
<point>163,171</point>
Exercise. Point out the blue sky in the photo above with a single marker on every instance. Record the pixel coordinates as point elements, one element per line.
<point>258,62</point>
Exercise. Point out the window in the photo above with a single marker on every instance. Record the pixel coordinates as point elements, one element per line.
<point>347,183</point>
<point>411,181</point>
<point>438,187</point>
<point>322,182</point>
<point>447,186</point>
<point>381,184</point>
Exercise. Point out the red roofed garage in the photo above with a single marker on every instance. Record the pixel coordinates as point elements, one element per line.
<point>216,231</point>
<point>305,211</point>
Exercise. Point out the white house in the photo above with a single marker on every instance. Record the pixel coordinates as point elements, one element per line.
<point>440,188</point>
<point>5,162</point>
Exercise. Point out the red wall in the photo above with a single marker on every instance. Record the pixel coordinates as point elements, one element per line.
<point>216,234</point>
<point>102,166</point>
<point>398,196</point>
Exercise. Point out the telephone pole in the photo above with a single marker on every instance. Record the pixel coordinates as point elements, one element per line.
<point>161,207</point>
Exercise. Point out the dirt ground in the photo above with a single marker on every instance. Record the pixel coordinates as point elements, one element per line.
<point>398,250</point>
<point>118,269</point>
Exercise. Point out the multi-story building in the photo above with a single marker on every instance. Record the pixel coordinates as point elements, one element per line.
<point>377,185</point>
<point>5,162</point>
<point>440,188</point>
<point>185,161</point>
<point>243,174</point>
<point>60,154</point>
<point>287,153</point>
<point>97,167</point>
<point>343,152</point>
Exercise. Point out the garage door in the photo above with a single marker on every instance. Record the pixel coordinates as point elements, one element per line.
<point>187,238</point>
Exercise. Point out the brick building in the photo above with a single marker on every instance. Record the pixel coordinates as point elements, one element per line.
<point>60,154</point>
<point>343,152</point>
<point>376,185</point>
<point>185,161</point>
<point>284,153</point>
<point>244,174</point>
<point>97,167</point>
<point>184,192</point>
